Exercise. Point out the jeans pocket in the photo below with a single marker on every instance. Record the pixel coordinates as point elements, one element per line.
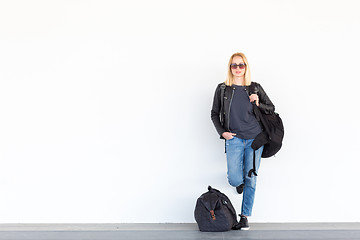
<point>227,142</point>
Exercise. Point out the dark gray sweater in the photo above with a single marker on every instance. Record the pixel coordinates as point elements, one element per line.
<point>242,118</point>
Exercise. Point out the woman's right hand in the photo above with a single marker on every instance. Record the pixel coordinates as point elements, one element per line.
<point>228,135</point>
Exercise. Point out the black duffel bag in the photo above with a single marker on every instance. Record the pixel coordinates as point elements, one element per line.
<point>214,212</point>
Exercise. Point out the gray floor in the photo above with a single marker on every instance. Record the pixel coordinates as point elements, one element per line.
<point>264,231</point>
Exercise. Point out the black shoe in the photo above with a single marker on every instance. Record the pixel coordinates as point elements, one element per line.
<point>242,225</point>
<point>240,188</point>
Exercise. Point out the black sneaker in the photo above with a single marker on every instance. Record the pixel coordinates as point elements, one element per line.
<point>243,224</point>
<point>240,188</point>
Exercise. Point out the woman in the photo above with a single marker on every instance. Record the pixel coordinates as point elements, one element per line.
<point>234,119</point>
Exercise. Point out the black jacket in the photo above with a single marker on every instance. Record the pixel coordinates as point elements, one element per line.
<point>221,119</point>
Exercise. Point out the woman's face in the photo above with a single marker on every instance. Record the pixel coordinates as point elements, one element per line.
<point>237,72</point>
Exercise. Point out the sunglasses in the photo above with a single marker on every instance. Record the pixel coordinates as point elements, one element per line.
<point>234,66</point>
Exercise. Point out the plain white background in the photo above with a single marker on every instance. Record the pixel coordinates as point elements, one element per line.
<point>105,108</point>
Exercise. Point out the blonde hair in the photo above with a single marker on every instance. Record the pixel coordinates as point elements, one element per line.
<point>229,79</point>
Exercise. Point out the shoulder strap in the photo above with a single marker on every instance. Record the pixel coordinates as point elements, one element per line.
<point>222,93</point>
<point>252,88</point>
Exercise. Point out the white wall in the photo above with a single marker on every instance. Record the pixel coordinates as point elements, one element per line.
<point>105,108</point>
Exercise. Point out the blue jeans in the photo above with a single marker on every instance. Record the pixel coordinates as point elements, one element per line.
<point>239,155</point>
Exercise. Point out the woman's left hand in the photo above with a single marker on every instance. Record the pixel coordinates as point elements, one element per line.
<point>254,97</point>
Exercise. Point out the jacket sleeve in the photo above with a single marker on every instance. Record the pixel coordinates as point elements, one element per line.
<point>215,111</point>
<point>265,104</point>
